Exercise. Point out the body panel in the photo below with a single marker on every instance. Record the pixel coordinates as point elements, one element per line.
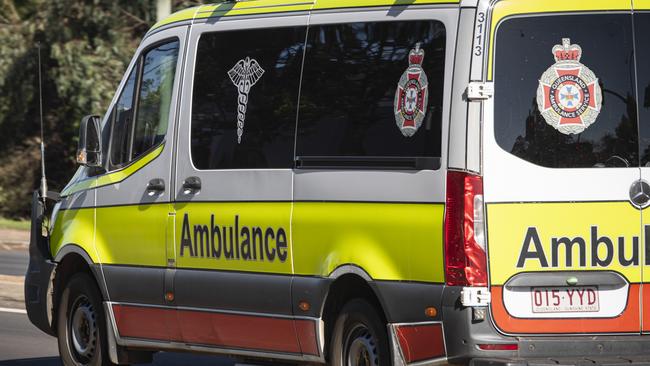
<point>75,226</point>
<point>237,236</point>
<point>390,241</point>
<point>641,17</point>
<point>131,233</point>
<point>568,218</point>
<point>233,235</point>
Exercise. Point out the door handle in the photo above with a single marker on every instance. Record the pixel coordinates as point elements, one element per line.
<point>156,185</point>
<point>192,185</point>
<point>640,193</point>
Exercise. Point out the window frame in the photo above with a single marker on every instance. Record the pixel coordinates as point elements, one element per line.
<point>239,28</point>
<point>404,163</point>
<point>492,118</point>
<point>138,65</point>
<point>226,185</point>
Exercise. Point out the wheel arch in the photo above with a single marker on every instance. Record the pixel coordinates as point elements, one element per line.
<point>348,282</point>
<point>72,259</point>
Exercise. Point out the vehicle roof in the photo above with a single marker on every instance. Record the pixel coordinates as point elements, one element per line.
<point>249,7</point>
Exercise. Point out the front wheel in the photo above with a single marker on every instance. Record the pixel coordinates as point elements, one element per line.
<point>359,337</point>
<point>81,325</point>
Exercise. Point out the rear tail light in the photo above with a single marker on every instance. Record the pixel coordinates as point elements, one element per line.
<point>465,258</point>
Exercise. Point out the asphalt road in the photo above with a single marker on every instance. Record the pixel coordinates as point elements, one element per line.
<point>13,262</point>
<point>23,344</point>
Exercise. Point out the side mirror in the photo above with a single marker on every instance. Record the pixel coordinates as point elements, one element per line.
<point>89,151</point>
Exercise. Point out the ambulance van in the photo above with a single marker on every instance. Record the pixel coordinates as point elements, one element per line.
<point>362,182</point>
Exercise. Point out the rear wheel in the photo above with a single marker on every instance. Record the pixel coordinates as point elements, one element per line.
<point>359,337</point>
<point>81,326</point>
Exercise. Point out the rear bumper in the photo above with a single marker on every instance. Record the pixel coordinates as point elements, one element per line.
<point>591,361</point>
<point>616,350</point>
<point>463,337</point>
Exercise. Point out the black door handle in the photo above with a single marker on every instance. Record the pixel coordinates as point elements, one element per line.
<point>156,185</point>
<point>192,185</point>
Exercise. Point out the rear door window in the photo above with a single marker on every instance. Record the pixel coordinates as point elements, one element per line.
<point>642,34</point>
<point>372,91</point>
<point>578,116</point>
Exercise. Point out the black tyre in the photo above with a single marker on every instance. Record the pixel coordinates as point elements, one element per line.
<point>359,337</point>
<point>81,324</point>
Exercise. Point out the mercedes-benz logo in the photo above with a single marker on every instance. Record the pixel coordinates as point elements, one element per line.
<point>640,193</point>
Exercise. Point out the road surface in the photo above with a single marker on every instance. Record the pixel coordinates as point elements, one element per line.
<point>23,344</point>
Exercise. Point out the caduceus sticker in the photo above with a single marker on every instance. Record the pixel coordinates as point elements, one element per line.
<point>244,75</point>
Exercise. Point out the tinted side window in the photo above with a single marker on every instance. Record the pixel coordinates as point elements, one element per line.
<point>154,100</point>
<point>642,34</point>
<point>362,95</point>
<point>244,98</point>
<point>122,123</point>
<point>154,75</point>
<point>586,90</point>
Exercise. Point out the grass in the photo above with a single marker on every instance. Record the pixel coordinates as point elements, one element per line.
<point>14,224</point>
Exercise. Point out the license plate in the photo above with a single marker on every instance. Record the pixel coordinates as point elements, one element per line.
<point>578,299</point>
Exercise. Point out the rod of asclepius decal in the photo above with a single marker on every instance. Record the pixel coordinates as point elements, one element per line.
<point>244,75</point>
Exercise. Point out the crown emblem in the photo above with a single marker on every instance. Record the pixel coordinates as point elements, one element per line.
<point>416,56</point>
<point>567,51</point>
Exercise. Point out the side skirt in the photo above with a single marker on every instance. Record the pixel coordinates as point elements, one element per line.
<point>174,339</point>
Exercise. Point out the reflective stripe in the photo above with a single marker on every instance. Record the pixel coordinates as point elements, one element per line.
<point>263,333</point>
<point>113,177</point>
<point>334,4</point>
<point>278,6</point>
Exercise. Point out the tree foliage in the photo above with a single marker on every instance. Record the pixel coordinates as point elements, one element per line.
<point>85,46</point>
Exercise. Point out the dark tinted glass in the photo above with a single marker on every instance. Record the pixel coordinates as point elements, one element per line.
<point>523,54</point>
<point>350,82</point>
<point>123,123</point>
<point>155,95</point>
<point>642,24</point>
<point>244,98</point>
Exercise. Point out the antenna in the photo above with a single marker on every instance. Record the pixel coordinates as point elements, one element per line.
<point>43,187</point>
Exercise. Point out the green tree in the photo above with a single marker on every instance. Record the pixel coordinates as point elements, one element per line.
<point>86,46</point>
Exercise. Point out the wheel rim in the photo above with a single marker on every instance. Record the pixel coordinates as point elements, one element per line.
<point>361,347</point>
<point>83,329</point>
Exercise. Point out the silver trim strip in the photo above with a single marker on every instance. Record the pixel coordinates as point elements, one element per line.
<point>175,346</point>
<point>218,311</point>
<point>350,268</point>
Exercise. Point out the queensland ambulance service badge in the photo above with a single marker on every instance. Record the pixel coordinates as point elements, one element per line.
<point>412,96</point>
<point>568,95</point>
